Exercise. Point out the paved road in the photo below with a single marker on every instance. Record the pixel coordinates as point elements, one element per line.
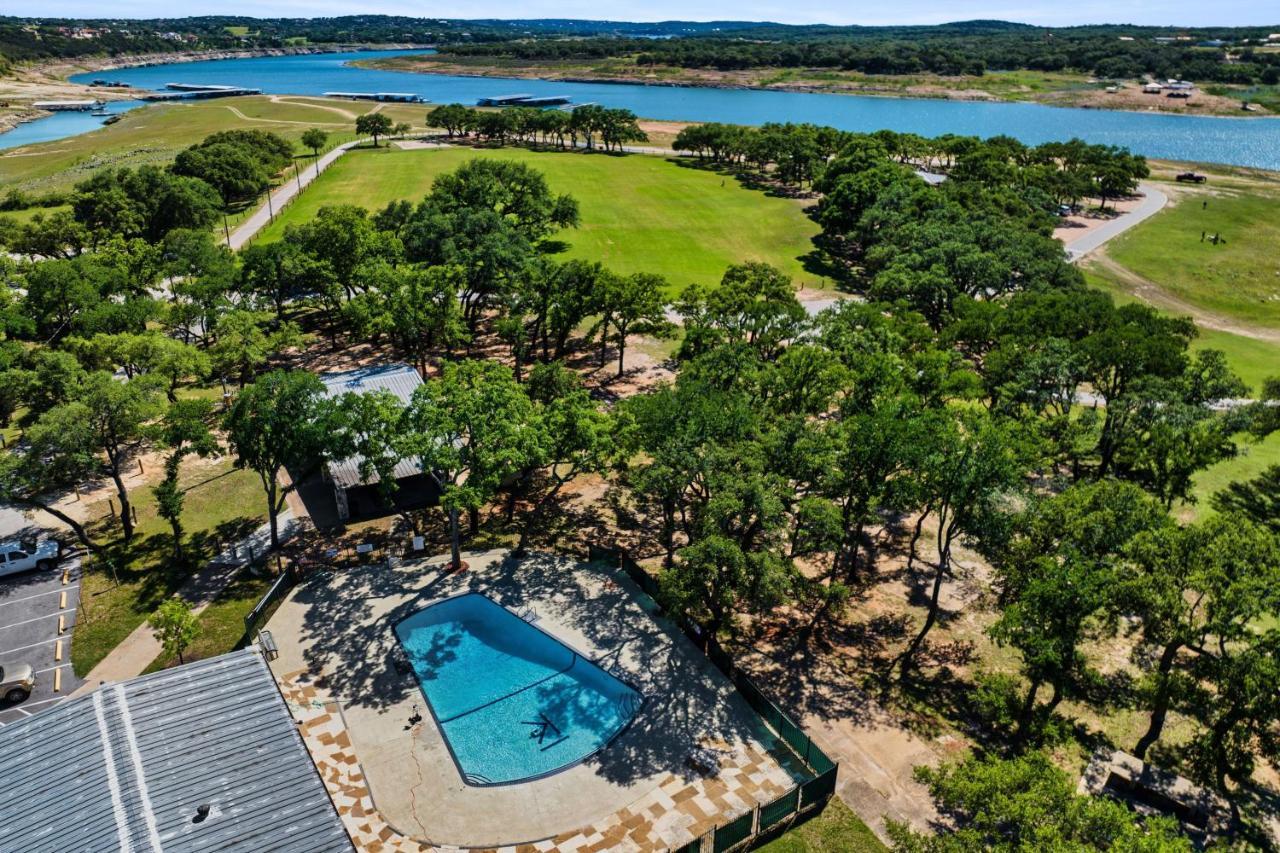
<point>285,193</point>
<point>1152,202</point>
<point>37,615</point>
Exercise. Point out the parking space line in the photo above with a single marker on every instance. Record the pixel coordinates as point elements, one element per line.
<point>36,595</point>
<point>52,668</point>
<point>27,621</point>
<point>24,712</point>
<point>45,701</point>
<point>29,646</point>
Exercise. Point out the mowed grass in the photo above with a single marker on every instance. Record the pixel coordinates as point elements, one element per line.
<point>639,213</point>
<point>155,134</point>
<point>1251,359</point>
<point>222,503</point>
<point>1254,457</point>
<point>222,622</point>
<point>1239,279</point>
<point>836,829</point>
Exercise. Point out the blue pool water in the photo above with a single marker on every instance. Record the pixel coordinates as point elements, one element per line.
<point>513,702</point>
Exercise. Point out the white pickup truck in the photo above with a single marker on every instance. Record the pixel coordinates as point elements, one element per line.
<point>24,555</point>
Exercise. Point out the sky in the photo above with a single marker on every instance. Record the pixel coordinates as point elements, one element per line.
<point>1042,12</point>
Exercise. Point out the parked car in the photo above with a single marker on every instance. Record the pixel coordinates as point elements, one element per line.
<point>23,556</point>
<point>1065,210</point>
<point>16,682</point>
<point>1191,178</point>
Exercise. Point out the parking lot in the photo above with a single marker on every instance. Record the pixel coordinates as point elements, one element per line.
<point>37,615</point>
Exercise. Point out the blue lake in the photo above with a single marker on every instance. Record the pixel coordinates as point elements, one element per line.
<point>1236,141</point>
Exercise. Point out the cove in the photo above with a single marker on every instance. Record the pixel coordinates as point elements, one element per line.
<point>1233,141</point>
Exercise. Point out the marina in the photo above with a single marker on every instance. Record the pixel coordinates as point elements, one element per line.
<point>1242,141</point>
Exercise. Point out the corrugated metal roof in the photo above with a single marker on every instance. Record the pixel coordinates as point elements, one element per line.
<point>126,768</point>
<point>399,379</point>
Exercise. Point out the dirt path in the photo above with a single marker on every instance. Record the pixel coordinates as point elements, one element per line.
<point>1153,294</point>
<point>236,112</point>
<point>284,99</point>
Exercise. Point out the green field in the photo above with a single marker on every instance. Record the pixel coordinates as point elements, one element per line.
<point>1251,359</point>
<point>155,134</point>
<point>639,213</point>
<point>1240,279</point>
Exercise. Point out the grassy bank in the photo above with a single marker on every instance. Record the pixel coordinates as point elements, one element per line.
<point>156,133</point>
<point>1238,278</point>
<point>639,213</point>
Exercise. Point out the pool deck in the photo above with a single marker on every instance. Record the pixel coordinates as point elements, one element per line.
<point>397,786</point>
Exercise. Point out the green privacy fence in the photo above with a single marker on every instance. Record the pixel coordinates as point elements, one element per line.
<point>811,793</point>
<point>283,583</point>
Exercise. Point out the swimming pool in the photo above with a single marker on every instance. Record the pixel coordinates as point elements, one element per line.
<point>512,702</point>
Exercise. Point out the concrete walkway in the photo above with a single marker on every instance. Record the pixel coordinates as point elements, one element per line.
<point>1153,200</point>
<point>136,652</point>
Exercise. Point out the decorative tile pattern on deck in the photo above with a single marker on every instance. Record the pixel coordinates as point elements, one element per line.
<point>672,814</point>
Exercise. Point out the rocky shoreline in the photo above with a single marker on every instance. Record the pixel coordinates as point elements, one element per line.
<point>143,60</point>
<point>866,91</point>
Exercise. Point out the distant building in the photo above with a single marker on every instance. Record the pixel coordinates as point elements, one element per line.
<point>354,494</point>
<point>1153,88</point>
<point>65,106</point>
<point>195,758</point>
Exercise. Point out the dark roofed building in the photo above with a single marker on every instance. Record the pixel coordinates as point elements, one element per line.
<point>359,496</point>
<point>201,757</point>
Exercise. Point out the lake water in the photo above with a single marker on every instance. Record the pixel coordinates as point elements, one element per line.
<point>1236,141</point>
<point>59,126</point>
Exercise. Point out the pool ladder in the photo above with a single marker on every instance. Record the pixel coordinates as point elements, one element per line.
<point>528,614</point>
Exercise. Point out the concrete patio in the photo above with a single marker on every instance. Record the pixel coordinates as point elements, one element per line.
<point>337,647</point>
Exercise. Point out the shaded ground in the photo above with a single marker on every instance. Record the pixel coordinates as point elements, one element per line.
<point>338,626</point>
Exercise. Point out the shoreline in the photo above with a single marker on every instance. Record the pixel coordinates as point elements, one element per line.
<point>963,96</point>
<point>51,78</point>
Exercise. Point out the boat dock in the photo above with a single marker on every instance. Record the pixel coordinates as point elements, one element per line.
<point>66,106</point>
<point>187,91</point>
<point>393,97</point>
<point>523,101</point>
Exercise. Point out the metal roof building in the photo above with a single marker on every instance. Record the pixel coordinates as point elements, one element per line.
<point>202,757</point>
<point>401,380</point>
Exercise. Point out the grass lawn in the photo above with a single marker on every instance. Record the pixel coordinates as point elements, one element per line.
<point>1254,457</point>
<point>1252,360</point>
<point>222,622</point>
<point>156,133</point>
<point>1240,279</point>
<point>25,215</point>
<point>836,830</point>
<point>221,503</point>
<point>639,213</point>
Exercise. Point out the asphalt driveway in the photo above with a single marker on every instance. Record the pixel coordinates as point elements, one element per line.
<point>37,616</point>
